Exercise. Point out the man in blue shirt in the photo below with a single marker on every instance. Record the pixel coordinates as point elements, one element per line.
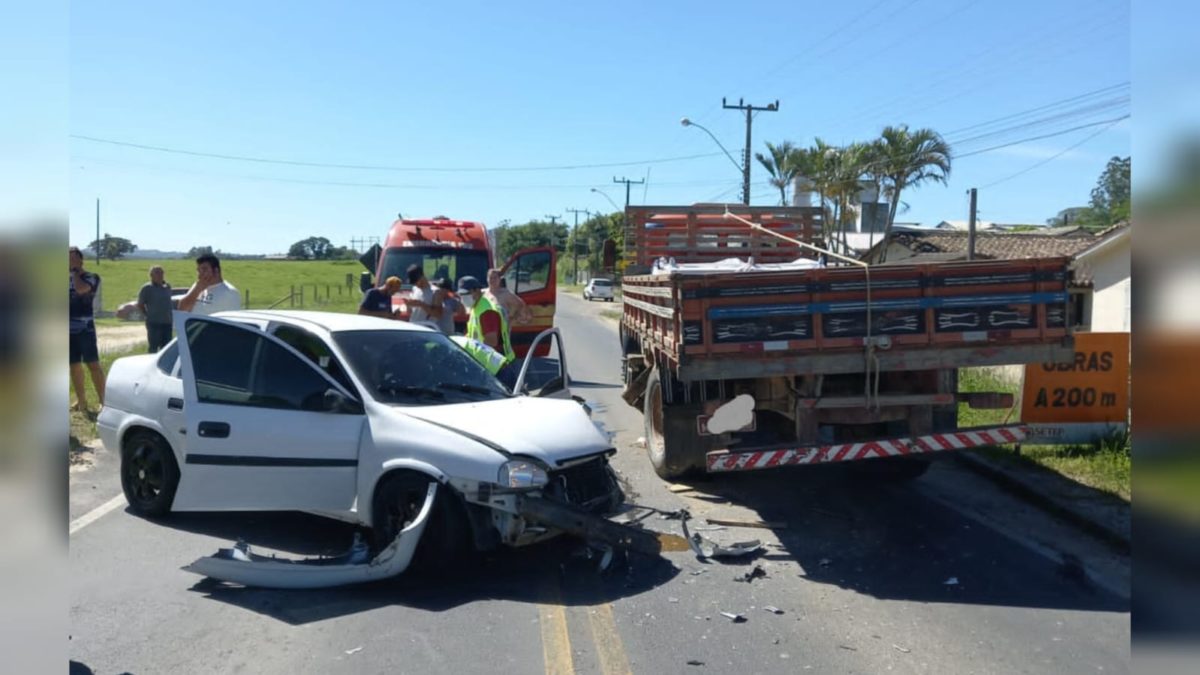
<point>378,301</point>
<point>83,348</point>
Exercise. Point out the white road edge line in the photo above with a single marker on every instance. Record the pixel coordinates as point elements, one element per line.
<point>95,514</point>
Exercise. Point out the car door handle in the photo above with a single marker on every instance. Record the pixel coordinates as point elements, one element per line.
<point>213,430</point>
<point>174,404</point>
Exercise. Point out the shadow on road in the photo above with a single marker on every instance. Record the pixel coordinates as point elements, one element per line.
<point>519,575</point>
<point>884,539</point>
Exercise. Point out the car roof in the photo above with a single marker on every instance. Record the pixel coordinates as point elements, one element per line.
<point>333,322</point>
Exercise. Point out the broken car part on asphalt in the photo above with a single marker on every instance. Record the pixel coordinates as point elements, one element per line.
<point>238,565</point>
<point>705,548</point>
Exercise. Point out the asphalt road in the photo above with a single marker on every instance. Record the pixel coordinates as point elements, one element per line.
<point>944,574</point>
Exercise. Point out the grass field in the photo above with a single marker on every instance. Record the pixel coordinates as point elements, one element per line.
<point>319,284</point>
<point>1105,465</point>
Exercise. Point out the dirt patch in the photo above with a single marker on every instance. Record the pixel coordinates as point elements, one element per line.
<point>112,339</point>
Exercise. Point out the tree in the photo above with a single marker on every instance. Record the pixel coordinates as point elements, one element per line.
<point>1110,198</point>
<point>313,248</point>
<point>1067,216</point>
<point>910,158</point>
<point>197,251</point>
<point>781,166</point>
<point>533,234</point>
<point>112,247</point>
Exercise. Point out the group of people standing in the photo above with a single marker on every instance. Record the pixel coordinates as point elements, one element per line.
<point>210,293</point>
<point>491,310</point>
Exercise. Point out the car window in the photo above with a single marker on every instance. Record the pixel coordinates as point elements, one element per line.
<point>416,368</point>
<point>530,272</point>
<point>169,358</point>
<point>235,366</point>
<point>316,351</point>
<point>602,283</point>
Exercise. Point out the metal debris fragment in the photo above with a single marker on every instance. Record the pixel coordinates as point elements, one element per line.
<point>757,572</point>
<point>695,662</point>
<point>736,618</point>
<point>898,648</point>
<point>761,524</point>
<point>354,651</point>
<point>772,609</point>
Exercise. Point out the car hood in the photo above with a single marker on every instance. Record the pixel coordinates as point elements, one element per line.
<point>550,430</point>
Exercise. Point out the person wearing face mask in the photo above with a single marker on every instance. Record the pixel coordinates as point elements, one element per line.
<point>487,324</point>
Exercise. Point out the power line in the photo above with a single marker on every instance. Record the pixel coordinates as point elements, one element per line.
<point>370,167</point>
<point>1042,137</point>
<point>1055,104</point>
<point>1052,157</point>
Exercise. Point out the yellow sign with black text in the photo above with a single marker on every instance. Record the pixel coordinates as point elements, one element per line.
<point>1092,388</point>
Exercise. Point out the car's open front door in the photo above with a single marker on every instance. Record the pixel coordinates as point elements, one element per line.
<point>544,376</point>
<point>531,274</point>
<point>265,429</point>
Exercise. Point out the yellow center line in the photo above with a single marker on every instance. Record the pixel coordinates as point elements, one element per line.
<point>556,641</point>
<point>609,648</point>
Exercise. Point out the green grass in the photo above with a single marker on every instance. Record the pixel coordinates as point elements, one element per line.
<point>266,280</point>
<point>1105,465</point>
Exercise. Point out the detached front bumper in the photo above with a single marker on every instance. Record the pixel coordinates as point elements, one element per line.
<point>587,526</point>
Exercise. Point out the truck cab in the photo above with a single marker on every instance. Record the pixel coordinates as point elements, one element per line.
<point>453,249</point>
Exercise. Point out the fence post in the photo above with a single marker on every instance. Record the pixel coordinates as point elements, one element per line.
<point>292,295</point>
<point>328,295</point>
<point>246,304</point>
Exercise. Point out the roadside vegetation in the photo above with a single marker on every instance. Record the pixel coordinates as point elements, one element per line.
<point>1105,464</point>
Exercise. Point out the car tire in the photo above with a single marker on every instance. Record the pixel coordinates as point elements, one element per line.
<point>149,474</point>
<point>398,500</point>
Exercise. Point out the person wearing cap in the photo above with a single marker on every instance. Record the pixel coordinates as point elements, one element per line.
<point>487,325</point>
<point>378,301</point>
<point>450,304</point>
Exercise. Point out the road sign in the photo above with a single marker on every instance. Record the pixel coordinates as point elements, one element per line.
<point>1081,400</point>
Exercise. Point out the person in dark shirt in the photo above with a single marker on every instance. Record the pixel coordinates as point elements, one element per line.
<point>154,301</point>
<point>378,301</point>
<point>83,348</point>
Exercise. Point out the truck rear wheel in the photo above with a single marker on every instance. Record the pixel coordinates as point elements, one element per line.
<point>672,444</point>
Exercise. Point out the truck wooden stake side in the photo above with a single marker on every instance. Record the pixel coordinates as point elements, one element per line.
<point>782,359</point>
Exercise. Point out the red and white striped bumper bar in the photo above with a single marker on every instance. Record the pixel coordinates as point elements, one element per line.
<point>723,460</point>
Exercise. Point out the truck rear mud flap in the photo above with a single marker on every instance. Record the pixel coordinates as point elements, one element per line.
<point>239,566</point>
<point>589,527</point>
<point>766,458</point>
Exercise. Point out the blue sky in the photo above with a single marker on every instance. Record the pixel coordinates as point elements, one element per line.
<point>484,85</point>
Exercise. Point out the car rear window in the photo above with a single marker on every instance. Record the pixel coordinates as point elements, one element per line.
<point>602,282</point>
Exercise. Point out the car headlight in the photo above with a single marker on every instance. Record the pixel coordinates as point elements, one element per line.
<point>520,473</point>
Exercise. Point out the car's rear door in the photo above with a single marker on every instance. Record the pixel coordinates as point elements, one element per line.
<point>532,274</point>
<point>265,429</point>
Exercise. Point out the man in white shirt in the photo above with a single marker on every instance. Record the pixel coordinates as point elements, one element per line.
<point>424,302</point>
<point>211,293</point>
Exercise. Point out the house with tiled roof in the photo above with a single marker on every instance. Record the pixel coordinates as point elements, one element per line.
<point>1100,262</point>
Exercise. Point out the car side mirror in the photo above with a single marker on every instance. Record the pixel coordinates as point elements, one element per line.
<point>337,402</point>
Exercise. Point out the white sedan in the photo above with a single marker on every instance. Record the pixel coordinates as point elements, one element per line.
<point>598,288</point>
<point>357,418</point>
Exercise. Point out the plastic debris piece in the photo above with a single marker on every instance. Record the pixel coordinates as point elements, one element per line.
<point>677,488</point>
<point>766,525</point>
<point>773,610</point>
<point>898,648</point>
<point>757,572</point>
<point>695,662</point>
<point>736,618</point>
<point>672,599</point>
<point>952,581</point>
<point>354,651</point>
<point>825,562</point>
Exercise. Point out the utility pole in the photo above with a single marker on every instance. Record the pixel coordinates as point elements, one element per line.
<point>627,183</point>
<point>971,228</point>
<point>750,110</point>
<point>575,240</point>
<point>97,231</point>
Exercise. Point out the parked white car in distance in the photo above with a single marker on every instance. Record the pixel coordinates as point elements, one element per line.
<point>598,288</point>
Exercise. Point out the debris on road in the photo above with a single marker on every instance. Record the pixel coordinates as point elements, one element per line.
<point>825,562</point>
<point>640,442</point>
<point>898,648</point>
<point>354,651</point>
<point>952,581</point>
<point>672,599</point>
<point>695,662</point>
<point>764,525</point>
<point>677,488</point>
<point>848,648</point>
<point>736,618</point>
<point>772,609</point>
<point>706,548</point>
<point>711,528</point>
<point>756,573</point>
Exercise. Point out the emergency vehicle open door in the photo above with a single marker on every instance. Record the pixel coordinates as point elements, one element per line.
<point>532,274</point>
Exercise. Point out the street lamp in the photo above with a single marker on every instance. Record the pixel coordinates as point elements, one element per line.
<point>604,194</point>
<point>742,168</point>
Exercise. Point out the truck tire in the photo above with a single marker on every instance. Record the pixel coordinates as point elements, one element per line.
<point>672,444</point>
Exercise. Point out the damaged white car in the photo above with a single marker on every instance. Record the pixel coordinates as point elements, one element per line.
<point>381,423</point>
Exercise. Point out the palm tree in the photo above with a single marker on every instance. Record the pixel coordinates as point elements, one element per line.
<point>779,165</point>
<point>910,158</point>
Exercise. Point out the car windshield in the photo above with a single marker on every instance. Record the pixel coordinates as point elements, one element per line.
<point>452,264</point>
<point>416,368</point>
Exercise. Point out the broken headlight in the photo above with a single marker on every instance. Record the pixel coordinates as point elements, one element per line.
<point>521,473</point>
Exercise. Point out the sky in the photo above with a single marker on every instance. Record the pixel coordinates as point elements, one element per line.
<point>473,110</point>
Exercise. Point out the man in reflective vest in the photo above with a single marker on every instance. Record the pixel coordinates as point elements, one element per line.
<point>487,325</point>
